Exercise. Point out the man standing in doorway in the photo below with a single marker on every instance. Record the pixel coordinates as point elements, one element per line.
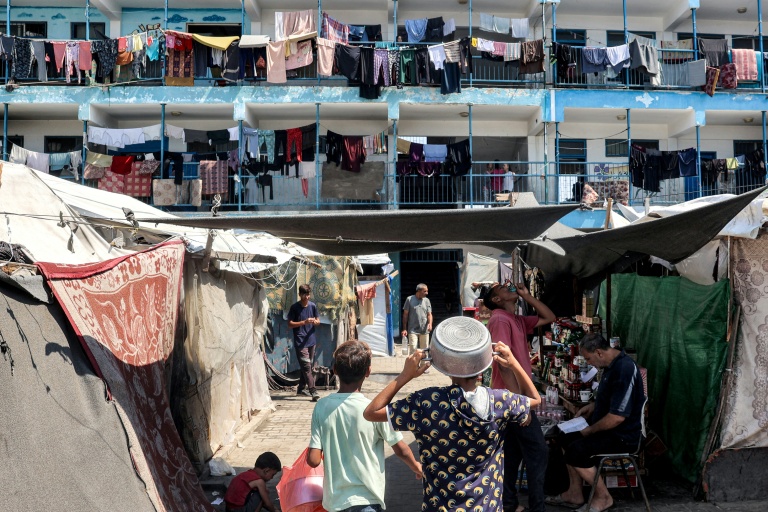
<point>302,318</point>
<point>417,319</point>
<point>522,442</point>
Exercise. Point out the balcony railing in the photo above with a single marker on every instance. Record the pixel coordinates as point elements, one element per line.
<point>477,188</point>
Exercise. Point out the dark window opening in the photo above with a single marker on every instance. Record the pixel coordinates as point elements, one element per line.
<point>620,147</point>
<point>26,29</point>
<point>97,31</point>
<point>62,144</point>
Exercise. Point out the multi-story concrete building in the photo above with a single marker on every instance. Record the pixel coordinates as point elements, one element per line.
<point>561,126</point>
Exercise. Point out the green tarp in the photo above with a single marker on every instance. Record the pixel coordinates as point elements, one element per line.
<point>679,331</point>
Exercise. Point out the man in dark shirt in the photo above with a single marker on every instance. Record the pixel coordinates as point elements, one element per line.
<point>615,421</point>
<point>302,318</point>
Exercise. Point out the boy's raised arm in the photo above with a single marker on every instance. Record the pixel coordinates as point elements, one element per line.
<point>377,409</point>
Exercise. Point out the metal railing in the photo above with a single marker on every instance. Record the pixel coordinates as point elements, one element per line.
<point>477,188</point>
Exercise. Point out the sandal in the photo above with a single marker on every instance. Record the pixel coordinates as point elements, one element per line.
<point>558,501</point>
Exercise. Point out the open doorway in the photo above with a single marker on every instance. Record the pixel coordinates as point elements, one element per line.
<point>439,270</point>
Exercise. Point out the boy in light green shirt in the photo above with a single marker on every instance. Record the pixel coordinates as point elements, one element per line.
<point>352,448</point>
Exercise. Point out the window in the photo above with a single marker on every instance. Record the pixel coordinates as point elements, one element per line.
<point>26,29</point>
<point>62,144</point>
<point>571,37</point>
<point>16,140</point>
<point>743,147</point>
<point>748,43</point>
<point>689,35</point>
<point>616,37</point>
<point>620,147</point>
<point>97,31</point>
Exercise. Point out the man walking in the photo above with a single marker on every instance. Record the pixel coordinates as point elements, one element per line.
<point>417,319</point>
<point>302,318</point>
<point>522,442</point>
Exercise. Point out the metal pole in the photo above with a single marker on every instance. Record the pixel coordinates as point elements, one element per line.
<point>165,27</point>
<point>760,32</point>
<point>5,131</point>
<point>626,40</point>
<point>471,73</point>
<point>394,164</point>
<point>317,156</point>
<point>8,30</point>
<point>87,20</point>
<point>554,40</point>
<point>395,11</point>
<point>84,150</point>
<point>629,149</point>
<point>557,160</point>
<point>471,168</point>
<point>241,152</point>
<point>162,140</point>
<point>764,140</point>
<point>698,157</point>
<point>242,24</point>
<point>546,165</point>
<point>695,39</point>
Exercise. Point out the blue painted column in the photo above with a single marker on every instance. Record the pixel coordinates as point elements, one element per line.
<point>394,165</point>
<point>241,153</point>
<point>698,158</point>
<point>5,130</point>
<point>162,140</point>
<point>84,150</point>
<point>472,167</point>
<point>695,38</point>
<point>317,156</point>
<point>165,58</point>
<point>7,29</point>
<point>557,161</point>
<point>395,14</point>
<point>765,149</point>
<point>760,33</point>
<point>629,150</point>
<point>546,163</point>
<point>626,40</point>
<point>87,20</point>
<point>242,25</point>
<point>554,40</point>
<point>471,73</point>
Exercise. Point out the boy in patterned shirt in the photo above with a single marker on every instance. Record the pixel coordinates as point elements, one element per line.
<point>460,430</point>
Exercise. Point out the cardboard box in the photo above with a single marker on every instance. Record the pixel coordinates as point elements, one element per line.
<point>618,481</point>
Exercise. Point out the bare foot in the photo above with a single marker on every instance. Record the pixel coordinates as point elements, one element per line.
<point>520,508</point>
<point>602,504</point>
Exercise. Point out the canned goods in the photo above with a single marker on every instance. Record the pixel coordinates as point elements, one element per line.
<point>615,342</point>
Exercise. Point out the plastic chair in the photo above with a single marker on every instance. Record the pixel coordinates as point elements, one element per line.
<point>632,457</point>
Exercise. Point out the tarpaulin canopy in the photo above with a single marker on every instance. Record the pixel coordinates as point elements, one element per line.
<point>567,251</point>
<point>220,43</point>
<point>252,41</point>
<point>354,233</point>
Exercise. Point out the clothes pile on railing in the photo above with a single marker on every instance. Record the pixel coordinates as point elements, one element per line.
<point>433,159</point>
<point>648,167</point>
<point>426,29</point>
<point>662,63</point>
<point>47,162</point>
<point>124,174</point>
<point>93,60</point>
<point>529,54</point>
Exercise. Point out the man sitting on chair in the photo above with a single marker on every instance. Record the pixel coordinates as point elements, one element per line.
<point>615,422</point>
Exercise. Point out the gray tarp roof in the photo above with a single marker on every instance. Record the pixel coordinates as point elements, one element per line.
<point>371,232</point>
<point>674,238</point>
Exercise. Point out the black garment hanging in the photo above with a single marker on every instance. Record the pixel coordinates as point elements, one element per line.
<point>308,141</point>
<point>334,147</point>
<point>347,60</point>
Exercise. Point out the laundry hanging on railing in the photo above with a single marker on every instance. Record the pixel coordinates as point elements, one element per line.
<point>46,162</point>
<point>295,25</point>
<point>516,27</point>
<point>121,137</point>
<point>433,159</point>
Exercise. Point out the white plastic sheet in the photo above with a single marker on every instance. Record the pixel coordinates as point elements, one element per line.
<point>476,268</point>
<point>375,334</point>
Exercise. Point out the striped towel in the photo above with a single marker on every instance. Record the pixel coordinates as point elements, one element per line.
<point>452,51</point>
<point>746,64</point>
<point>512,51</point>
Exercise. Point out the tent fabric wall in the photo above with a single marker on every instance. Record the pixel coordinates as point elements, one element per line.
<point>378,335</point>
<point>124,312</point>
<point>64,447</point>
<point>226,377</point>
<point>476,268</point>
<point>745,424</point>
<point>679,331</point>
